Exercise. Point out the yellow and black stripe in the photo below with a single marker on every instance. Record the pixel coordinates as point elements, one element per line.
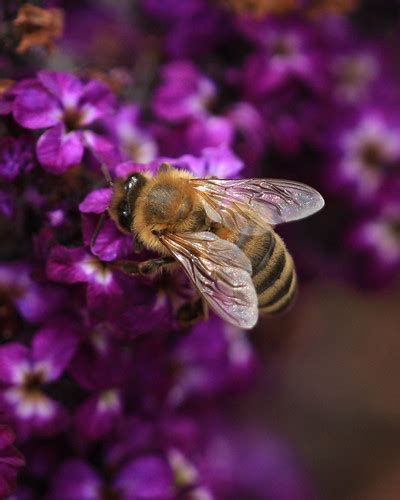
<point>274,275</point>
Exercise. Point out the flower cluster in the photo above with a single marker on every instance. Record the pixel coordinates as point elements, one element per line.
<point>108,394</point>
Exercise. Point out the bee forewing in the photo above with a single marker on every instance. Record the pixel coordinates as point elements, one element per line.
<point>254,203</point>
<point>220,271</point>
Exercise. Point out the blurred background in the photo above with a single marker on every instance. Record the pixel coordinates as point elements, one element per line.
<point>302,89</point>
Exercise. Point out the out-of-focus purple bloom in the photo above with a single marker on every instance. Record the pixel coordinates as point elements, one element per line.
<point>212,358</point>
<point>376,241</point>
<point>65,106</point>
<point>177,20</point>
<point>144,477</point>
<point>35,301</point>
<point>269,471</point>
<point>24,372</point>
<point>353,76</point>
<point>287,53</point>
<point>207,132</point>
<point>102,366</point>
<point>196,135</point>
<point>184,93</point>
<point>135,142</point>
<point>367,152</point>
<point>7,203</point>
<point>10,461</point>
<point>251,138</point>
<point>76,265</point>
<point>218,162</point>
<point>16,156</point>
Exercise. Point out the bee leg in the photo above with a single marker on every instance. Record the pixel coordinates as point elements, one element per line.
<point>151,266</point>
<point>144,268</point>
<point>192,312</point>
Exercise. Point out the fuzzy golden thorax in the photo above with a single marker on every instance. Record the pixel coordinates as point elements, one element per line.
<point>167,203</point>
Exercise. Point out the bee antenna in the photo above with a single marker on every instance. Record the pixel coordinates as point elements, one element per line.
<point>107,175</point>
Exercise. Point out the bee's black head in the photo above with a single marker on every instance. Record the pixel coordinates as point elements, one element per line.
<point>132,188</point>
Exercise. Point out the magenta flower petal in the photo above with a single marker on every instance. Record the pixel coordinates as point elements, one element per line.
<point>96,101</point>
<point>38,302</point>
<point>75,479</point>
<point>104,150</point>
<point>129,167</point>
<point>53,348</point>
<point>10,461</point>
<point>75,265</point>
<point>33,414</point>
<point>97,201</point>
<point>211,131</point>
<point>101,361</point>
<point>64,86</point>
<point>58,150</point>
<point>34,301</point>
<point>98,416</point>
<point>110,243</point>
<point>64,264</point>
<point>184,92</point>
<point>14,361</point>
<point>35,108</point>
<point>7,436</point>
<point>16,156</point>
<point>146,477</point>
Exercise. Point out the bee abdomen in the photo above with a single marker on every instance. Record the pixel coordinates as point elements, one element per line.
<point>274,275</point>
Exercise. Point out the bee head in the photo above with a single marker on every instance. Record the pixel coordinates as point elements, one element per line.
<point>123,204</point>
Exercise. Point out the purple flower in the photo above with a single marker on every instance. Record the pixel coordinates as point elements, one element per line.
<point>184,93</point>
<point>367,153</point>
<point>219,162</point>
<point>16,156</point>
<point>353,75</point>
<point>135,142</point>
<point>202,132</point>
<point>10,461</point>
<point>375,241</point>
<point>212,358</point>
<point>287,52</point>
<point>7,203</point>
<point>34,301</point>
<point>24,372</point>
<point>177,20</point>
<point>144,477</point>
<point>250,140</point>
<point>269,471</point>
<point>65,106</point>
<point>76,265</point>
<point>102,366</point>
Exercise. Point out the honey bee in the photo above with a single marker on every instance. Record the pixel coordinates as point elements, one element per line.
<point>220,232</point>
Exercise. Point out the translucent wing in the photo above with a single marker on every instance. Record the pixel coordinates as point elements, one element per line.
<point>250,205</point>
<point>220,271</point>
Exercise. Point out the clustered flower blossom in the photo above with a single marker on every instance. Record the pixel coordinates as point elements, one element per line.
<point>108,395</point>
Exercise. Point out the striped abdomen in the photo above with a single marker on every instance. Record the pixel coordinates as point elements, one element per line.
<point>274,275</point>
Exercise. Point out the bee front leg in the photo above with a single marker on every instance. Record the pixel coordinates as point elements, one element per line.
<point>144,268</point>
